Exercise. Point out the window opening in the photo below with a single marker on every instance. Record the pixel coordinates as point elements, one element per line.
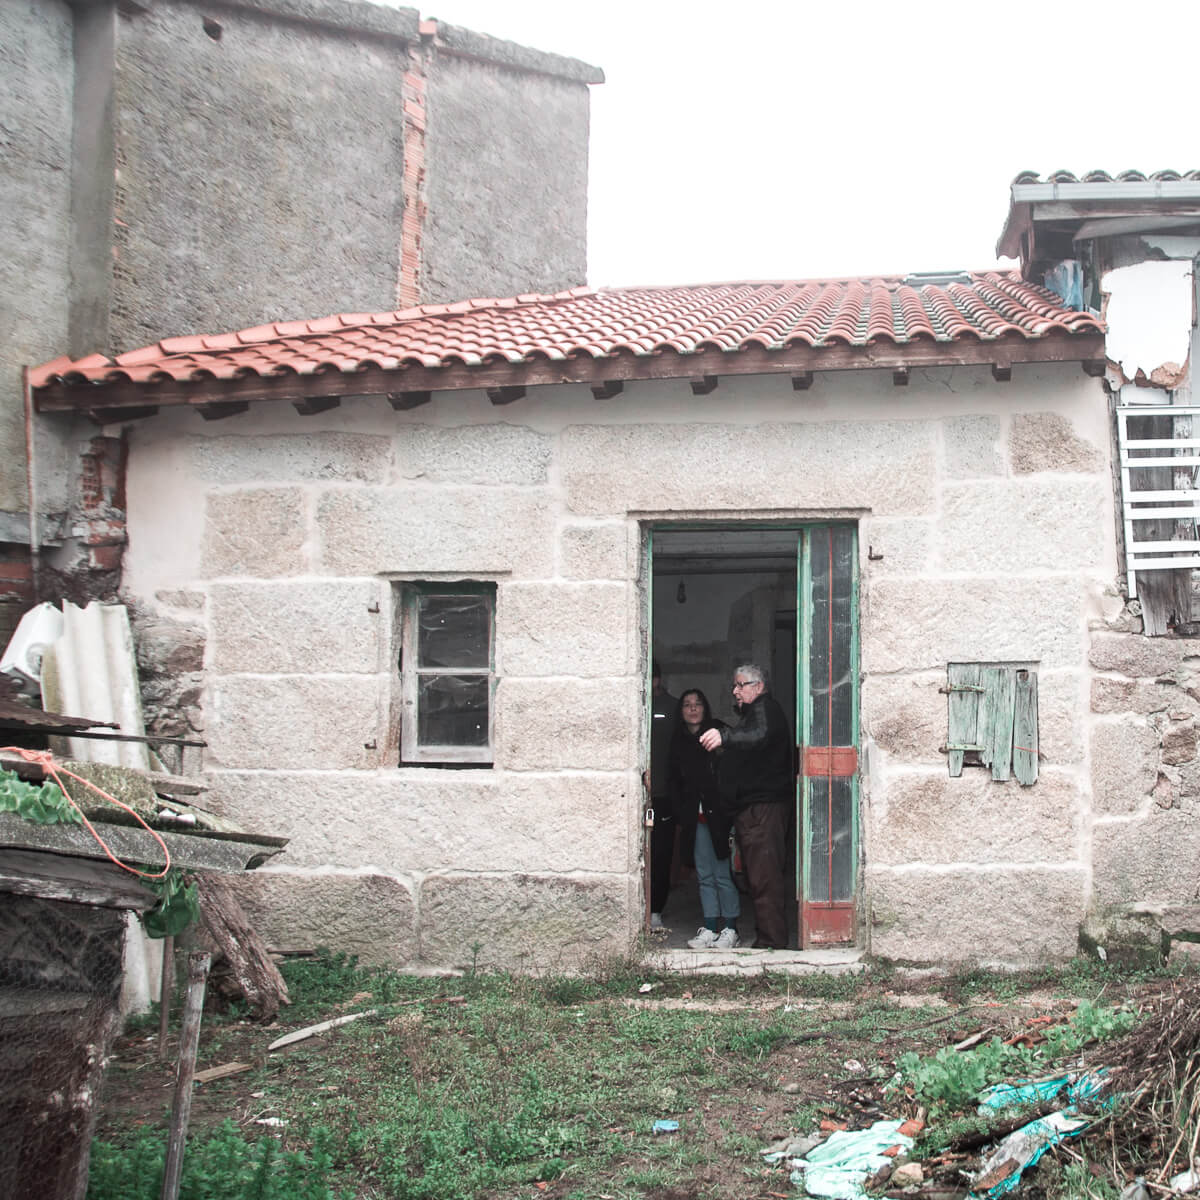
<point>447,676</point>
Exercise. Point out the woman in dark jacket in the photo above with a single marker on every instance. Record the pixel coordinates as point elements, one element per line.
<point>703,828</point>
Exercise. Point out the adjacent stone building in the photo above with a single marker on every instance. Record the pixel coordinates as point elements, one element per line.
<point>171,167</point>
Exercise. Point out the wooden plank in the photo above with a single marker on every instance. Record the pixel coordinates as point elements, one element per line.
<point>962,712</point>
<point>51,876</point>
<point>793,360</point>
<point>225,1069</point>
<point>308,1031</point>
<point>74,893</point>
<point>1001,683</point>
<point>189,1042</point>
<point>1025,729</point>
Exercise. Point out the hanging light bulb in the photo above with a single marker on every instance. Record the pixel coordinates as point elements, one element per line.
<point>681,593</point>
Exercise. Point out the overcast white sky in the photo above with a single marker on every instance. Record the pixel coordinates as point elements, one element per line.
<point>773,140</point>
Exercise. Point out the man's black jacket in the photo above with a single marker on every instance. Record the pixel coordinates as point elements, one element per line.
<point>756,758</point>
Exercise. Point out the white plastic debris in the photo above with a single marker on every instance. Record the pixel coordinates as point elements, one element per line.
<point>1188,1181</point>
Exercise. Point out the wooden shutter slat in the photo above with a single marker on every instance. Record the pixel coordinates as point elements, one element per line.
<point>1001,683</point>
<point>963,709</point>
<point>1025,729</point>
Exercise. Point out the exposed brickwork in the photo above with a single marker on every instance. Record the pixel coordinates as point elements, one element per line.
<point>16,588</point>
<point>102,502</point>
<point>412,224</point>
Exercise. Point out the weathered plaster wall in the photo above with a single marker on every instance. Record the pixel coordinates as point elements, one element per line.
<point>990,504</point>
<point>36,96</point>
<point>258,174</point>
<point>511,150</point>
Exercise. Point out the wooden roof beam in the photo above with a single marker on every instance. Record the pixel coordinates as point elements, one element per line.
<point>110,416</point>
<point>315,404</point>
<point>506,395</point>
<point>704,384</point>
<point>218,410</point>
<point>403,401</point>
<point>608,389</point>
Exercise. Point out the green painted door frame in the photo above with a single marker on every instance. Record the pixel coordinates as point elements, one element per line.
<point>827,720</point>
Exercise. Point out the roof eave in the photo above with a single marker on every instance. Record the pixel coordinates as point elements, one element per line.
<point>1081,201</point>
<point>116,400</point>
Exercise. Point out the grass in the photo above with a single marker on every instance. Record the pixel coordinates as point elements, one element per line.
<point>490,1084</point>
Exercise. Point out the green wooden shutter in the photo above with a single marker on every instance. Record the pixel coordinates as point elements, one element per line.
<point>993,719</point>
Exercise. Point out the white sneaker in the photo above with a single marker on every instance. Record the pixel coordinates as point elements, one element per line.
<point>727,939</point>
<point>705,939</point>
<point>656,921</point>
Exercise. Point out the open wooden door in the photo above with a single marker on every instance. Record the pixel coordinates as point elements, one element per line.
<point>827,695</point>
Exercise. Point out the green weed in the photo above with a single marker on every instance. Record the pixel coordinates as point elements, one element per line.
<point>221,1166</point>
<point>950,1080</point>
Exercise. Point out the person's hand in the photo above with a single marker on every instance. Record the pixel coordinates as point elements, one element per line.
<point>710,739</point>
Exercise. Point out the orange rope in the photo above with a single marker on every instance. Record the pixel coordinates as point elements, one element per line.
<point>45,760</point>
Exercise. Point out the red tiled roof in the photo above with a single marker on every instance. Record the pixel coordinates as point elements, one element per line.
<point>584,323</point>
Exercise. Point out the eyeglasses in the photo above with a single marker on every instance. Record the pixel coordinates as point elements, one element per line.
<point>744,683</point>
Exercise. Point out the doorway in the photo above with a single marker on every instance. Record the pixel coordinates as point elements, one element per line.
<point>786,598</point>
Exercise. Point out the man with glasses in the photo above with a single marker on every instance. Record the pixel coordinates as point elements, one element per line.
<point>755,776</point>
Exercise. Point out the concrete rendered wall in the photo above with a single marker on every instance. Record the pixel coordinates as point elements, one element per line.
<point>36,97</point>
<point>267,539</point>
<point>506,183</point>
<point>258,174</point>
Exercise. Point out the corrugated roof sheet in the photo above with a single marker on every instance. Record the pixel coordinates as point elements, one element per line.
<point>728,317</point>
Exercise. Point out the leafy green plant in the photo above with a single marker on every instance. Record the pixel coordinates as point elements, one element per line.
<point>950,1079</point>
<point>1091,1023</point>
<point>43,804</point>
<point>178,905</point>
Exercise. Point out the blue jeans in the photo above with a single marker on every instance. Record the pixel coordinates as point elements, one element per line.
<point>718,892</point>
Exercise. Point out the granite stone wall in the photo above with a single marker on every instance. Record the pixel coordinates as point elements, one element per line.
<point>986,530</point>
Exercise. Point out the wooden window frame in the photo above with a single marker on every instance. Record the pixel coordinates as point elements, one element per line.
<point>412,753</point>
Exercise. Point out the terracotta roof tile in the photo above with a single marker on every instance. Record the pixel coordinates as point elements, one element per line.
<point>1130,176</point>
<point>582,322</point>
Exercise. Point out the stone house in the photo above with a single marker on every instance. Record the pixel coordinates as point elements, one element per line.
<point>423,557</point>
<point>172,166</point>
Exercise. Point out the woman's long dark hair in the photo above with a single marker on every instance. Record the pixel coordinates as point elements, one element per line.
<point>706,723</point>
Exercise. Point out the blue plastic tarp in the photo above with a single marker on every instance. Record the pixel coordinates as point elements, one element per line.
<point>840,1166</point>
